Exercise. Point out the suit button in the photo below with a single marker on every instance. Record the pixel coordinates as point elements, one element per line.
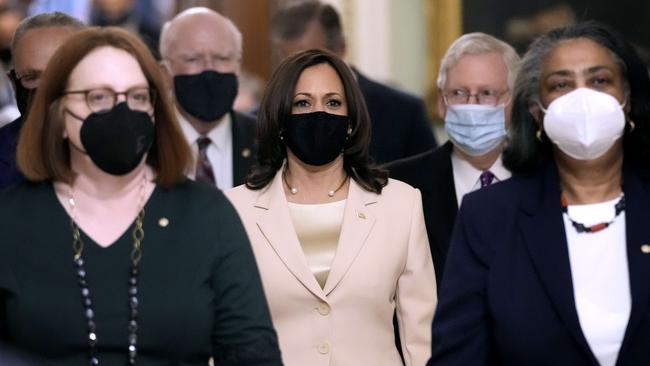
<point>324,347</point>
<point>645,249</point>
<point>323,309</point>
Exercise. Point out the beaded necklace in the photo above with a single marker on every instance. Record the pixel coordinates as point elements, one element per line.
<point>136,255</point>
<point>582,228</point>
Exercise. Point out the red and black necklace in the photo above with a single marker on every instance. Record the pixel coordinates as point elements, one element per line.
<point>582,228</point>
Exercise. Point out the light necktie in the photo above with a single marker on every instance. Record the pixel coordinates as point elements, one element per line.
<point>204,172</point>
<point>486,178</point>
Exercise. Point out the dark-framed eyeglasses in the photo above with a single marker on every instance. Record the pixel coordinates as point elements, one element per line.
<point>103,99</point>
<point>489,97</point>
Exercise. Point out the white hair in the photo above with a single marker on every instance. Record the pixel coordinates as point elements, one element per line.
<point>478,43</point>
<point>166,36</point>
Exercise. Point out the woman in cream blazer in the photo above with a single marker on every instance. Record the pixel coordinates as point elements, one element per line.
<point>340,247</point>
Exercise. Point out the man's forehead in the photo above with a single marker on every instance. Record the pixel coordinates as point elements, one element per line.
<point>480,68</point>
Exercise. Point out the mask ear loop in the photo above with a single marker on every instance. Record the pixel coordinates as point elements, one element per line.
<point>630,126</point>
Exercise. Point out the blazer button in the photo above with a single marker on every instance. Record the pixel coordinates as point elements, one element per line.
<point>323,309</point>
<point>324,347</point>
<point>645,249</point>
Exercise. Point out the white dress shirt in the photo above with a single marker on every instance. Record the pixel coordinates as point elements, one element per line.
<point>219,150</point>
<point>467,178</point>
<point>601,282</point>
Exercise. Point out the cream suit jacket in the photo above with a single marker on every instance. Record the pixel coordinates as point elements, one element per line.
<point>382,263</point>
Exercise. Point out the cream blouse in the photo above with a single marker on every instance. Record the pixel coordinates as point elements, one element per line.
<point>318,227</point>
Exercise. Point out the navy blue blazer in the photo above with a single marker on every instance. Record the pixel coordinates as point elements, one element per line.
<point>400,125</point>
<point>507,293</point>
<point>9,173</point>
<point>432,173</point>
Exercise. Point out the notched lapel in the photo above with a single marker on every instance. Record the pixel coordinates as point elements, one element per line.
<point>542,228</point>
<point>276,226</point>
<point>358,221</point>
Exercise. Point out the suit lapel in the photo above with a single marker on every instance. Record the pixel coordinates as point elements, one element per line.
<point>542,228</point>
<point>243,150</point>
<point>637,202</point>
<point>358,220</point>
<point>447,208</point>
<point>275,224</point>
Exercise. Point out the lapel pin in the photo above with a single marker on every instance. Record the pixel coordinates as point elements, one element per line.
<point>645,248</point>
<point>361,215</point>
<point>163,222</point>
<point>246,152</point>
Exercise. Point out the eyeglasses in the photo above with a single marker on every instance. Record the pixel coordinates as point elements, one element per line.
<point>98,100</point>
<point>204,61</point>
<point>483,97</point>
<point>28,81</point>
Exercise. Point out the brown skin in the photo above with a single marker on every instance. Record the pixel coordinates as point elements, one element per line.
<point>582,63</point>
<point>474,73</point>
<point>319,89</point>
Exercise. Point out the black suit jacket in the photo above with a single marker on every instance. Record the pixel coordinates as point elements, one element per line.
<point>244,146</point>
<point>431,172</point>
<point>9,173</point>
<point>507,297</point>
<point>400,125</point>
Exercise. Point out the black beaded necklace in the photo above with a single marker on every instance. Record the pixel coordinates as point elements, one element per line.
<point>136,255</point>
<point>582,228</point>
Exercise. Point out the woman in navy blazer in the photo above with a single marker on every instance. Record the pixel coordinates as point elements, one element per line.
<point>553,266</point>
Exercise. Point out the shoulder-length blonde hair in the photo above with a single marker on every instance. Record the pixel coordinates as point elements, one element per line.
<point>42,152</point>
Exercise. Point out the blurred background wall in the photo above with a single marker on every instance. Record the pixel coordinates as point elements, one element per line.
<point>399,42</point>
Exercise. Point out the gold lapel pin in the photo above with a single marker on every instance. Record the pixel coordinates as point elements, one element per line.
<point>645,249</point>
<point>246,152</point>
<point>361,215</point>
<point>163,222</point>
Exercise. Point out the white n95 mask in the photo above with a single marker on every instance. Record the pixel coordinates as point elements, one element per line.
<point>584,123</point>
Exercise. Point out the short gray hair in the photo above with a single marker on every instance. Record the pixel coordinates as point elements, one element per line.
<point>52,19</point>
<point>166,36</point>
<point>478,43</point>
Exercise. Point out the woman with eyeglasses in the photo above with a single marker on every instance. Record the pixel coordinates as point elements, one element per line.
<point>551,267</point>
<point>109,256</point>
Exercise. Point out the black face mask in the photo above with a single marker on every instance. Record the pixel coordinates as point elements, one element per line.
<point>116,140</point>
<point>206,96</point>
<point>24,96</point>
<point>316,138</point>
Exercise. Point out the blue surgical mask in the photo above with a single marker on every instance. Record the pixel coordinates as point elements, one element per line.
<point>475,129</point>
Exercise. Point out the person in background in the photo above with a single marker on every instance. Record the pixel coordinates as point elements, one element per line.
<point>400,125</point>
<point>10,17</point>
<point>138,264</point>
<point>551,266</point>
<point>201,54</point>
<point>340,247</point>
<point>475,84</point>
<point>34,42</point>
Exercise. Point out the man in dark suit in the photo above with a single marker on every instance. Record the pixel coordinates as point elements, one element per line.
<point>400,126</point>
<point>475,83</point>
<point>201,54</point>
<point>34,42</point>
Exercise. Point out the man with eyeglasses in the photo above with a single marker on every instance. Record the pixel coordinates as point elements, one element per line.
<point>201,54</point>
<point>475,86</point>
<point>34,42</point>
